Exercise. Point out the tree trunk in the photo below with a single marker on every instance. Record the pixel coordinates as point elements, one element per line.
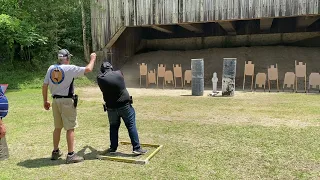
<point>84,37</point>
<point>20,3</point>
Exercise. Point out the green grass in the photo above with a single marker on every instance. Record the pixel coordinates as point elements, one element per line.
<point>250,136</point>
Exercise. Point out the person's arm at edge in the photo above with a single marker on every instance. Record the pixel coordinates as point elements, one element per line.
<point>89,67</point>
<point>46,103</point>
<point>2,129</point>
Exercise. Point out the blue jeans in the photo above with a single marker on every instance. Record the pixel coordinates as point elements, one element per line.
<point>127,113</point>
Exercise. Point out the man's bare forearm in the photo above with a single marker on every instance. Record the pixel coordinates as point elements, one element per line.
<point>90,66</point>
<point>45,92</point>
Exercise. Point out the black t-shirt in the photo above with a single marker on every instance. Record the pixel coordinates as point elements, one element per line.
<point>113,88</point>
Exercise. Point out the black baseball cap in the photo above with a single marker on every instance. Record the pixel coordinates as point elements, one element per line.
<point>64,53</point>
<point>105,66</point>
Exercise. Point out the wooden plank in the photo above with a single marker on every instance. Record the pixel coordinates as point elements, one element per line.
<point>225,10</point>
<point>236,9</point>
<point>283,8</point>
<point>303,7</point>
<point>113,14</point>
<point>228,27</point>
<point>304,22</point>
<point>244,9</point>
<point>265,24</point>
<point>251,8</point>
<point>193,27</point>
<point>201,13</point>
<point>217,8</point>
<point>166,29</point>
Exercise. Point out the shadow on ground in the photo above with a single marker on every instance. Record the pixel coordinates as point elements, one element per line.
<point>40,162</point>
<point>92,155</point>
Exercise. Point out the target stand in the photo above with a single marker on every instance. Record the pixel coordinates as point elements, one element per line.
<point>131,160</point>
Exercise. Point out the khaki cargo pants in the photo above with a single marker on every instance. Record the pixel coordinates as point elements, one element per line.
<point>4,152</point>
<point>64,113</point>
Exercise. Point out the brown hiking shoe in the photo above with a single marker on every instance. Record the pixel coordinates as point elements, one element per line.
<point>74,159</point>
<point>56,155</point>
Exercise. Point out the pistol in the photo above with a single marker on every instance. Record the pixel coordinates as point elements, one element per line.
<point>75,100</point>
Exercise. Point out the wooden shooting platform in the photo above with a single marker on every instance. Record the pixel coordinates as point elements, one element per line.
<point>131,158</point>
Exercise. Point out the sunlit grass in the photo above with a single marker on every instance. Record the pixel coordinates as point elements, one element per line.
<point>249,136</point>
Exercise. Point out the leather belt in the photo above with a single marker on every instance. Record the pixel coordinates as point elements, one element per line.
<point>58,96</point>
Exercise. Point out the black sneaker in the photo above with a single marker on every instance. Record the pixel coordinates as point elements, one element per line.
<point>139,151</point>
<point>108,151</point>
<point>56,155</point>
<point>74,158</point>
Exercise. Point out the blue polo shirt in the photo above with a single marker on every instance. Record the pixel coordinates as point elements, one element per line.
<point>3,105</point>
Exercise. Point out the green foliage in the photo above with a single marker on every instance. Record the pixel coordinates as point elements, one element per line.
<point>32,31</point>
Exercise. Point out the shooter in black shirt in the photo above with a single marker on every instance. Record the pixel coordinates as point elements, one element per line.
<point>118,103</point>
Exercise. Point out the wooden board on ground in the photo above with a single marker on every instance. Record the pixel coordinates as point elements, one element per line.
<point>153,149</point>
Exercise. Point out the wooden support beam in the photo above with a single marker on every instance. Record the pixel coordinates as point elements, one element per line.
<point>115,37</point>
<point>265,24</point>
<point>229,26</point>
<point>166,29</point>
<point>304,22</point>
<point>197,28</point>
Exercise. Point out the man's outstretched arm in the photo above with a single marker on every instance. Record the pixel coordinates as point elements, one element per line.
<point>89,67</point>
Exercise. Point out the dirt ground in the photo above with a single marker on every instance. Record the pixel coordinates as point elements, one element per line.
<point>262,57</point>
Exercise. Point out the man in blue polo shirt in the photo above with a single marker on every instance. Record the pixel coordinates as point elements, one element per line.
<point>4,153</point>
